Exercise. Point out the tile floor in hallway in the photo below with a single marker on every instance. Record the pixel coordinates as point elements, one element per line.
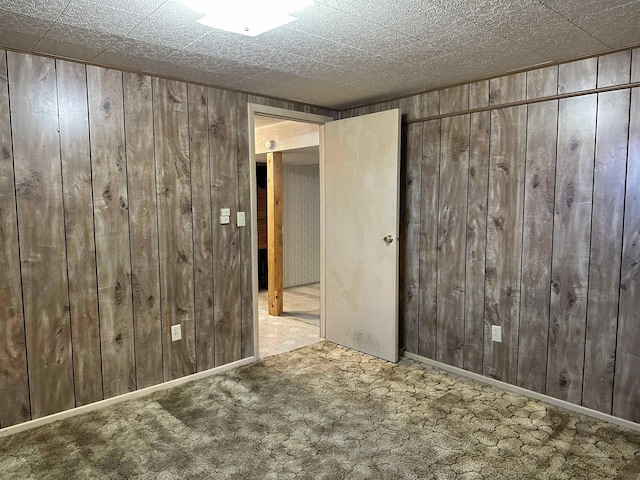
<point>299,324</point>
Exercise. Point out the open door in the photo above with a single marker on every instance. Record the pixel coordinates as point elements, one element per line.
<point>361,177</point>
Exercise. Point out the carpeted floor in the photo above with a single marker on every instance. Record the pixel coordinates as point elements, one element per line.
<point>325,412</point>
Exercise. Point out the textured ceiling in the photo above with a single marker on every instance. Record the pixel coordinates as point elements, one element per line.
<point>339,53</point>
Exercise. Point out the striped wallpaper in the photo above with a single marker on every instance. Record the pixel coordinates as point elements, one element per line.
<point>301,224</point>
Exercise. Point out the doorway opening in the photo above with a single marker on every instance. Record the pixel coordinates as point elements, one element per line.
<point>359,179</point>
<point>287,203</point>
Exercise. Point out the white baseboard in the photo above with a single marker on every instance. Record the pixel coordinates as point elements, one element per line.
<point>122,398</point>
<point>527,393</point>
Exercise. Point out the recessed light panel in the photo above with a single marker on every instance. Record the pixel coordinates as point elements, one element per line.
<point>246,17</point>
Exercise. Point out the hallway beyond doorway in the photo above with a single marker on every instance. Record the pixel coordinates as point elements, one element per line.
<point>299,324</point>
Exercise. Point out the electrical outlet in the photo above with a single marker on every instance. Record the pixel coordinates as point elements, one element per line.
<point>496,333</point>
<point>241,219</point>
<point>176,332</point>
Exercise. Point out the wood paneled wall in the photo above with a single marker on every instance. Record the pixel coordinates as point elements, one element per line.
<point>527,217</point>
<point>110,190</point>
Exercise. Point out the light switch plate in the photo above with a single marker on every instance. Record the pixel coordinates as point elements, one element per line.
<point>224,219</point>
<point>225,212</point>
<point>496,333</point>
<point>241,219</point>
<point>176,332</point>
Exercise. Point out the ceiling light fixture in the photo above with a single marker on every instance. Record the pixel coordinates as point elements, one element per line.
<point>246,17</point>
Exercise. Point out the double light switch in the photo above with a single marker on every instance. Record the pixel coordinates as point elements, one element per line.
<point>225,215</point>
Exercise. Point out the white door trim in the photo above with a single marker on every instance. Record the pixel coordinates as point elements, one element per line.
<point>255,108</point>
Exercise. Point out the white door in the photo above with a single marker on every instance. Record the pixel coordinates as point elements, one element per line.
<point>361,176</point>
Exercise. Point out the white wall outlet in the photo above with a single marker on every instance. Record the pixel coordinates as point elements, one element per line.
<point>241,219</point>
<point>225,212</point>
<point>225,219</point>
<point>496,333</point>
<point>176,332</point>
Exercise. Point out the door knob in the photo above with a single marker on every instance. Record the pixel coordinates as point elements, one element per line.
<point>388,239</point>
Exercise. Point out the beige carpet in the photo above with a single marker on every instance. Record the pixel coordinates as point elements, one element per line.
<point>325,412</point>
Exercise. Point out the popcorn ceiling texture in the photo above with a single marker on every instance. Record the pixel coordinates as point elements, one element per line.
<point>326,412</point>
<point>339,53</point>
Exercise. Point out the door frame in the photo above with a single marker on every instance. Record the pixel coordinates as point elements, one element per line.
<point>284,114</point>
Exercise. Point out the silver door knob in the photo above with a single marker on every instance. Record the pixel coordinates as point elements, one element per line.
<point>388,239</point>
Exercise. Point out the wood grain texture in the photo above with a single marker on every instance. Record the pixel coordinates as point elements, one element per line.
<point>410,107</point>
<point>452,220</point>
<point>542,133</point>
<point>175,225</point>
<point>428,323</point>
<point>244,205</point>
<point>38,179</point>
<point>388,105</point>
<point>223,150</point>
<point>542,82</point>
<point>314,109</point>
<point>479,94</point>
<point>547,225</point>
<point>430,103</point>
<point>454,99</point>
<point>78,212</point>
<point>365,110</point>
<point>614,69</point>
<point>504,240</point>
<point>274,233</point>
<point>606,246</point>
<point>411,176</point>
<point>349,113</point>
<point>577,76</point>
<point>111,217</point>
<point>14,383</point>
<point>510,88</point>
<point>145,269</point>
<point>202,225</point>
<point>262,218</point>
<point>273,102</point>
<point>111,223</point>
<point>279,103</point>
<point>572,230</point>
<point>258,100</point>
<point>476,231</point>
<point>626,395</point>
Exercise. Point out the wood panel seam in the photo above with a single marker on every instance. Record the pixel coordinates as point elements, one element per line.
<point>553,245</point>
<point>486,248</point>
<point>193,234</point>
<point>155,172</point>
<point>624,218</point>
<point>522,253</point>
<point>66,248</point>
<point>593,180</point>
<point>466,242</point>
<point>94,233</point>
<point>15,196</point>
<point>126,176</point>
